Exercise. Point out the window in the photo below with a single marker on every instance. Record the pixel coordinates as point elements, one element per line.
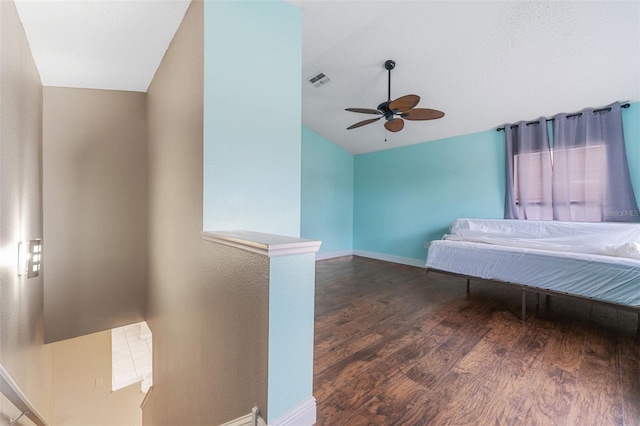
<point>584,177</point>
<point>578,182</point>
<point>528,169</point>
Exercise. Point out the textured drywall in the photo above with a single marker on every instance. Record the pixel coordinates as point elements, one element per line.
<point>95,210</point>
<point>407,196</point>
<point>252,117</point>
<point>327,193</point>
<point>207,304</point>
<point>22,350</point>
<point>82,385</point>
<point>291,315</point>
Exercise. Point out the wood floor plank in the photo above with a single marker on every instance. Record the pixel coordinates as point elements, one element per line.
<point>630,378</point>
<point>499,392</point>
<point>428,370</point>
<point>565,347</point>
<point>629,346</point>
<point>602,348</point>
<point>397,346</point>
<point>597,408</point>
<point>505,363</point>
<point>398,401</point>
<point>550,399</point>
<point>330,353</point>
<point>338,403</point>
<point>521,366</point>
<point>494,400</point>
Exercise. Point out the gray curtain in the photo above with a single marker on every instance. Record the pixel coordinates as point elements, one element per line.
<point>591,181</point>
<point>528,192</point>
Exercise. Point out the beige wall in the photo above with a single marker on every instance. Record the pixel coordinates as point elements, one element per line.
<point>22,352</point>
<point>82,385</point>
<point>207,305</point>
<point>95,210</point>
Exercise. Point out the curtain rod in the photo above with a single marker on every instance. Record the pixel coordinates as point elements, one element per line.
<point>627,105</point>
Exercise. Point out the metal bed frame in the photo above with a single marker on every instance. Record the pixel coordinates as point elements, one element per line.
<point>528,288</point>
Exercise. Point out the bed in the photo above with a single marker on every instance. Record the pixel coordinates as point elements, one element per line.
<point>595,261</point>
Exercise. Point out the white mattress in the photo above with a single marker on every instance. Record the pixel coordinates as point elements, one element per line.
<point>601,277</point>
<point>611,239</point>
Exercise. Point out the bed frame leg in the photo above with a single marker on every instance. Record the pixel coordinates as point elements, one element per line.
<point>524,305</point>
<point>468,285</point>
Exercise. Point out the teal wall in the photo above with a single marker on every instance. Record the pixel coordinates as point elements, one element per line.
<point>291,314</point>
<point>407,196</point>
<point>631,123</point>
<point>252,108</point>
<point>327,193</point>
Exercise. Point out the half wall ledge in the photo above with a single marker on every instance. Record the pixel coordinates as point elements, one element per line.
<point>270,245</point>
<point>289,264</point>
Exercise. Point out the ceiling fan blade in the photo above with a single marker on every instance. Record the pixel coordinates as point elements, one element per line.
<point>404,103</point>
<point>364,110</point>
<point>363,123</point>
<point>422,114</point>
<point>394,125</point>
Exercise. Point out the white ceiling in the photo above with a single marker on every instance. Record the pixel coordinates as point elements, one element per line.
<point>484,63</point>
<point>100,44</point>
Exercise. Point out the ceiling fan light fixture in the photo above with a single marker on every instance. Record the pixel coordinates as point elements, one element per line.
<point>394,111</point>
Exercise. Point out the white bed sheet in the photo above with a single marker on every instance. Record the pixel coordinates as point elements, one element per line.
<point>605,278</point>
<point>611,239</point>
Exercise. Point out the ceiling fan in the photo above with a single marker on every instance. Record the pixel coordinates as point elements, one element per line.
<point>395,111</point>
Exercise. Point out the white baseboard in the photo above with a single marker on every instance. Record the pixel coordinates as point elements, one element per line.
<point>331,255</point>
<point>372,255</point>
<point>303,414</point>
<point>391,258</point>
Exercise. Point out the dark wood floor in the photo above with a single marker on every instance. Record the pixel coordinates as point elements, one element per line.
<point>395,346</point>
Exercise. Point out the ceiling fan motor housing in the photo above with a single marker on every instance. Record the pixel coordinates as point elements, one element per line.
<point>384,109</point>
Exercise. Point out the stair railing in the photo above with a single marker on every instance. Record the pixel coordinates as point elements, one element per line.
<point>10,389</point>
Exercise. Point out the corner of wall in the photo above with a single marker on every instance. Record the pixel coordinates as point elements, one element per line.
<point>22,350</point>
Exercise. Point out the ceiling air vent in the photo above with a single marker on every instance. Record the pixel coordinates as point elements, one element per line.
<point>319,79</point>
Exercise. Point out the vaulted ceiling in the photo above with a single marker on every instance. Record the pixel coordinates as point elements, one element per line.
<point>483,63</point>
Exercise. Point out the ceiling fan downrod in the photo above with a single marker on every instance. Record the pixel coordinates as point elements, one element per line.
<point>389,65</point>
<point>384,106</point>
